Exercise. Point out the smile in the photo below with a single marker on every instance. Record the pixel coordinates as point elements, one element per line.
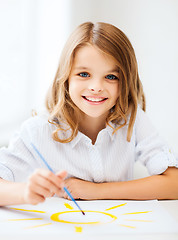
<point>95,99</point>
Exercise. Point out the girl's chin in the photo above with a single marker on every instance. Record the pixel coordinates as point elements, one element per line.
<point>95,115</point>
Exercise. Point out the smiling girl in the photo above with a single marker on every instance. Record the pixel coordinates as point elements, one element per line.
<point>95,130</point>
<point>93,88</point>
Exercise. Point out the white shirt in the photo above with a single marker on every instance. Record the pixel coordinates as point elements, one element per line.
<point>111,158</point>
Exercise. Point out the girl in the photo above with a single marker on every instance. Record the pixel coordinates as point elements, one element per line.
<point>95,131</point>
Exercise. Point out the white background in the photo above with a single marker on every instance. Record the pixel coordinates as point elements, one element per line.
<point>33,32</point>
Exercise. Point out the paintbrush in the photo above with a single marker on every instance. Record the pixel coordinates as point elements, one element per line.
<point>65,189</point>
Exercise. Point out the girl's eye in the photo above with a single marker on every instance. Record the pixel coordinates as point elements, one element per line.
<point>111,77</point>
<point>83,74</point>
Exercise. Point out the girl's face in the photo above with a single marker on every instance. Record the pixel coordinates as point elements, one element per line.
<point>94,82</point>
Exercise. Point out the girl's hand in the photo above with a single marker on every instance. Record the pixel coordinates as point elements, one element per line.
<point>80,189</point>
<point>42,184</point>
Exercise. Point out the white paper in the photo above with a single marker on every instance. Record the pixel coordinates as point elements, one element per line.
<point>101,217</point>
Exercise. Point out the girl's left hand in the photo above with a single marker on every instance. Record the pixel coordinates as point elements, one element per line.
<point>80,189</point>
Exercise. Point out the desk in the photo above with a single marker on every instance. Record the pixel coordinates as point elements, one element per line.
<point>171,206</point>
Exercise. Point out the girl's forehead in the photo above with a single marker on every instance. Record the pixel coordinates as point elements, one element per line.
<point>90,55</point>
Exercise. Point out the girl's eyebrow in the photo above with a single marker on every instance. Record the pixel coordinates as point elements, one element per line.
<point>80,67</point>
<point>116,69</point>
<point>86,68</point>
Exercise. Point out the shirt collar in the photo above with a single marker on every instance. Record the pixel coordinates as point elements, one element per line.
<point>80,136</point>
<point>110,130</point>
<point>77,139</point>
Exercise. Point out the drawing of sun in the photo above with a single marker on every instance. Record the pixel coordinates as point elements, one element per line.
<point>91,218</point>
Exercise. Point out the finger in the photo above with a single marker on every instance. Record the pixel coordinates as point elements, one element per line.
<point>66,196</point>
<point>33,198</point>
<point>62,174</point>
<point>35,201</point>
<point>51,177</point>
<point>47,185</point>
<point>40,190</point>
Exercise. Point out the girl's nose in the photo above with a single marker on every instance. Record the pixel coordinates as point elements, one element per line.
<point>96,90</point>
<point>96,86</point>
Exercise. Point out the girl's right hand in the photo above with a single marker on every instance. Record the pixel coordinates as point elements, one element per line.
<point>42,184</point>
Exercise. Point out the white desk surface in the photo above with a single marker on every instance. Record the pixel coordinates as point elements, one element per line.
<point>170,205</point>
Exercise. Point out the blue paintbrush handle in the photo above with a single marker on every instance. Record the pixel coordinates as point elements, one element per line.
<point>68,193</point>
<point>47,165</point>
<point>42,158</point>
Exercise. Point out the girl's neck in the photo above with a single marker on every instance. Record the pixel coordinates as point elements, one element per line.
<point>91,126</point>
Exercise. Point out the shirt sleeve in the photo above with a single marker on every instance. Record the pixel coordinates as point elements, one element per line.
<point>151,150</point>
<point>17,160</point>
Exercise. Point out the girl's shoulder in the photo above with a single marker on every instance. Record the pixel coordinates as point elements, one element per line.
<point>142,118</point>
<point>36,122</point>
<point>37,125</point>
<point>144,127</point>
<point>140,112</point>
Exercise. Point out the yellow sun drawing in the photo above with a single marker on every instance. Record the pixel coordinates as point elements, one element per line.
<point>91,217</point>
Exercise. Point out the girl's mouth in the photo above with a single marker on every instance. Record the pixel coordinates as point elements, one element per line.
<point>95,99</point>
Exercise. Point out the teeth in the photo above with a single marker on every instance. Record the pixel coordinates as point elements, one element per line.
<point>94,99</point>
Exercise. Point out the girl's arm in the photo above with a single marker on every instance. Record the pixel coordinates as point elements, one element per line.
<point>163,186</point>
<point>40,185</point>
<point>11,193</point>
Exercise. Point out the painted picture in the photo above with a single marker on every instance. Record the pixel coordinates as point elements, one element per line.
<point>57,215</point>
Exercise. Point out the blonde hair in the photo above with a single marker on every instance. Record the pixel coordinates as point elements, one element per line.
<point>113,42</point>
